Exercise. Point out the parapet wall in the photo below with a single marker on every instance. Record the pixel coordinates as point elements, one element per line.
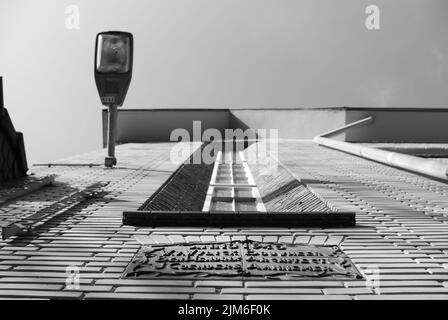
<point>411,125</point>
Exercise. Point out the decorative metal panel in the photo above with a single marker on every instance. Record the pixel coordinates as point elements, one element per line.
<point>242,259</point>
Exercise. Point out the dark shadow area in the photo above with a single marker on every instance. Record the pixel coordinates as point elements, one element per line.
<point>185,189</point>
<point>236,123</point>
<point>313,181</point>
<point>20,187</point>
<point>280,191</point>
<point>157,125</point>
<point>13,162</point>
<point>68,202</point>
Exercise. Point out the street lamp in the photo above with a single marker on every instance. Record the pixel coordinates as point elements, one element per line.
<point>113,73</point>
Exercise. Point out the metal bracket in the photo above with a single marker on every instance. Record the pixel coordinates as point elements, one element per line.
<point>26,225</point>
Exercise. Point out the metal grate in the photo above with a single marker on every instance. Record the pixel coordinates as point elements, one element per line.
<point>281,191</point>
<point>185,190</point>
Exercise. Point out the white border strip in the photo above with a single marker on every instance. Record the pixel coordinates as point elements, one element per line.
<point>211,188</point>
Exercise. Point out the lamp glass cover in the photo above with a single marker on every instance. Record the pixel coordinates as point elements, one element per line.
<point>113,54</point>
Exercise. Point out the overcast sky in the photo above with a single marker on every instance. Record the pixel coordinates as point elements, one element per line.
<point>221,53</point>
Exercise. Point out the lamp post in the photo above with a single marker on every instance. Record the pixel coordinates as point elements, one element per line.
<point>113,72</point>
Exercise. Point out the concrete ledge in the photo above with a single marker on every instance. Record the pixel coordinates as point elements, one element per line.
<point>238,219</point>
<point>156,125</point>
<point>399,125</point>
<point>411,125</point>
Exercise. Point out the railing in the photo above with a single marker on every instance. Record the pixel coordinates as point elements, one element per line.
<point>432,168</point>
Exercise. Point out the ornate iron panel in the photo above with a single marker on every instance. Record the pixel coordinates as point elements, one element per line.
<point>242,259</point>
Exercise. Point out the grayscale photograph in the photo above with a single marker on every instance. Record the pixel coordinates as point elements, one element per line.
<point>218,159</point>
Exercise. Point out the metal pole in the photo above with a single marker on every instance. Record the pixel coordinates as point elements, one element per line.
<point>346,127</point>
<point>428,167</point>
<point>110,160</point>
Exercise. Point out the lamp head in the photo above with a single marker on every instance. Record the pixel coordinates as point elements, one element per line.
<point>113,66</point>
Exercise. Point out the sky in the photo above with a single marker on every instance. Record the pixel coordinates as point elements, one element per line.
<point>222,53</point>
